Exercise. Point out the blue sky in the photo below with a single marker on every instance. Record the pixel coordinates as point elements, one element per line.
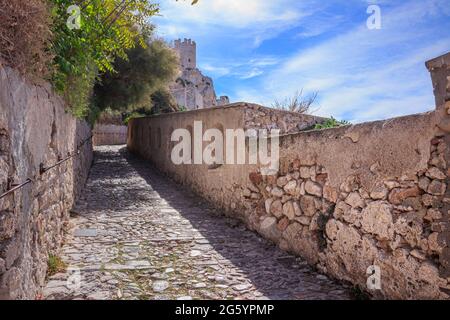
<point>262,50</point>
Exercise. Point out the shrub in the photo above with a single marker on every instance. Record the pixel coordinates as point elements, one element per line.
<point>332,123</point>
<point>55,265</point>
<point>296,103</point>
<point>131,85</point>
<point>25,36</point>
<point>110,116</point>
<point>163,102</point>
<point>133,115</point>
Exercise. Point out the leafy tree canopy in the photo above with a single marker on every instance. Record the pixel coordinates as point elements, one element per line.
<point>108,29</point>
<point>145,71</point>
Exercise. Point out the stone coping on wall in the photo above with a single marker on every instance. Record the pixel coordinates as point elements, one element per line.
<point>345,198</point>
<point>235,105</point>
<point>438,62</point>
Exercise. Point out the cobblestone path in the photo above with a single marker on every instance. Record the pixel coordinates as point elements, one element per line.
<point>137,235</point>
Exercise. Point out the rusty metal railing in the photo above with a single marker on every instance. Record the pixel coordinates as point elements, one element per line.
<point>43,169</point>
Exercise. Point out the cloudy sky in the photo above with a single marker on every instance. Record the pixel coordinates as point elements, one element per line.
<point>262,50</point>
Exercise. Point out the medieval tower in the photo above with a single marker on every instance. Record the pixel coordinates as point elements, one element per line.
<point>192,90</point>
<point>187,50</point>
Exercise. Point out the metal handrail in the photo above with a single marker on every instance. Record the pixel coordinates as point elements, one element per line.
<point>43,169</point>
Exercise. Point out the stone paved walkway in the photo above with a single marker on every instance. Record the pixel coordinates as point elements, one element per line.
<point>137,235</point>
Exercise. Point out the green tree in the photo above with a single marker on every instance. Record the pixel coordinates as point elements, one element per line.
<point>144,72</point>
<point>108,29</point>
<point>163,102</point>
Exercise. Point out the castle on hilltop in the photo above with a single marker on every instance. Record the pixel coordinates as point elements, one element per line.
<point>192,90</point>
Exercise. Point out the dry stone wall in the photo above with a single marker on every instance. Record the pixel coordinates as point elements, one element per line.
<point>35,130</point>
<point>258,117</point>
<point>109,134</point>
<point>149,137</point>
<point>372,195</point>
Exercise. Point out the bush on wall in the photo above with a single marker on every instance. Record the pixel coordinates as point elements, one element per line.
<point>35,39</point>
<point>25,34</point>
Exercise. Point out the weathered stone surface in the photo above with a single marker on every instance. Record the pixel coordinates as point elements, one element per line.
<point>377,220</point>
<point>435,173</point>
<point>8,225</point>
<point>304,220</point>
<point>291,187</point>
<point>355,200</point>
<point>340,209</point>
<point>424,182</point>
<point>246,193</point>
<point>256,178</point>
<point>342,262</point>
<point>285,198</point>
<point>277,208</point>
<point>85,233</point>
<point>308,206</point>
<point>35,129</point>
<point>283,223</point>
<point>423,281</point>
<point>418,255</point>
<point>288,210</point>
<point>380,192</point>
<point>305,172</point>
<point>430,200</point>
<point>330,193</point>
<point>277,192</point>
<point>302,191</point>
<point>437,188</point>
<point>321,178</point>
<point>396,196</point>
<point>391,184</point>
<point>160,286</point>
<point>313,188</point>
<point>268,204</point>
<point>301,242</point>
<point>352,216</point>
<point>255,196</point>
<point>433,214</point>
<point>439,161</point>
<point>350,184</point>
<point>297,210</point>
<point>316,222</point>
<point>410,228</point>
<point>281,181</point>
<point>269,229</point>
<point>434,244</point>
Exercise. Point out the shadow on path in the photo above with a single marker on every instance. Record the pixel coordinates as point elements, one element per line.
<point>274,273</point>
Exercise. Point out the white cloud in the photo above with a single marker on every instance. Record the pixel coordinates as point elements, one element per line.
<point>214,70</point>
<point>252,73</point>
<point>241,69</point>
<point>232,13</point>
<point>360,74</point>
<point>254,20</point>
<point>363,73</point>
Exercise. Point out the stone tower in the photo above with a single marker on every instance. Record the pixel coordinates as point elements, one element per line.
<point>193,90</point>
<point>187,50</point>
